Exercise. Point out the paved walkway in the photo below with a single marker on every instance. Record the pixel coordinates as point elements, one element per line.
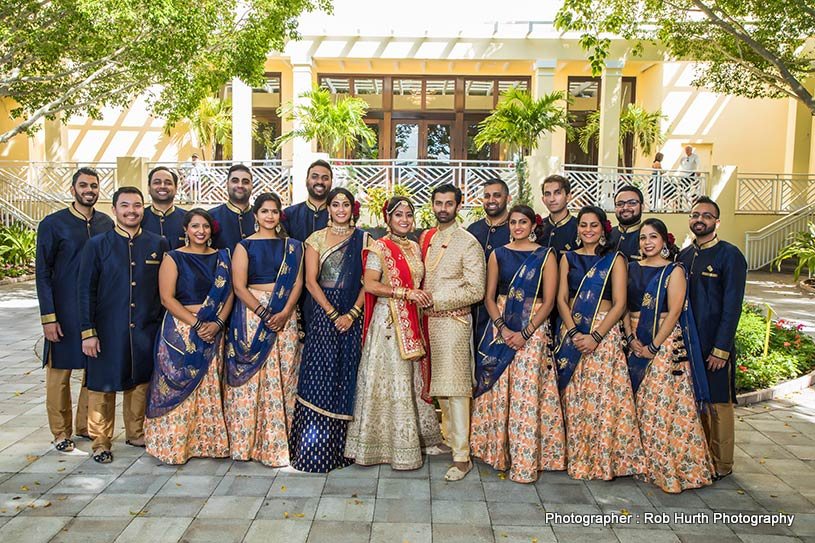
<point>779,290</point>
<point>46,496</point>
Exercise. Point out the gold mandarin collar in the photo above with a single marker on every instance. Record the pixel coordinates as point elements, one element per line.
<point>707,244</point>
<point>235,209</point>
<point>125,234</point>
<point>561,222</point>
<point>79,215</point>
<point>161,213</point>
<point>629,228</point>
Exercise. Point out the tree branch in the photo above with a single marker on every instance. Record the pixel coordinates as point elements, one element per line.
<point>797,88</point>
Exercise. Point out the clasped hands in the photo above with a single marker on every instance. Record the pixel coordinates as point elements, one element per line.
<point>640,350</point>
<point>420,297</point>
<point>584,343</point>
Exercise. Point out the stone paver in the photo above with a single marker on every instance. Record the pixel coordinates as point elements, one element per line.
<point>49,497</point>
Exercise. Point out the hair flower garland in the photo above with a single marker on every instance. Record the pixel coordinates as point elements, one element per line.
<point>671,239</point>
<point>538,219</point>
<point>216,227</point>
<point>356,211</point>
<point>282,215</point>
<point>607,226</point>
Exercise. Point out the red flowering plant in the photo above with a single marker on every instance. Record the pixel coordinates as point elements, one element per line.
<point>538,219</point>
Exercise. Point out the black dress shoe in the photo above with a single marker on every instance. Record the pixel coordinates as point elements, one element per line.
<point>720,476</point>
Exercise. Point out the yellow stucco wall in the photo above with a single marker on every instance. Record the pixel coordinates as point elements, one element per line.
<point>18,147</point>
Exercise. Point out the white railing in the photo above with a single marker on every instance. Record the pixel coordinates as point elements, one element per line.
<point>664,191</point>
<point>772,193</point>
<point>23,201</point>
<point>205,182</point>
<point>762,246</point>
<point>54,178</point>
<point>420,177</point>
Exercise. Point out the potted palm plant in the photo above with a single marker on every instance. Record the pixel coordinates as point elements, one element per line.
<point>801,246</point>
<point>644,127</point>
<point>519,121</point>
<point>337,125</point>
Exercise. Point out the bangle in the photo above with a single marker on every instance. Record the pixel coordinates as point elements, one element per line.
<point>653,349</point>
<point>256,309</point>
<point>499,322</point>
<point>573,332</point>
<point>221,324</point>
<point>197,325</point>
<point>596,336</point>
<point>355,312</point>
<point>333,315</point>
<point>264,314</point>
<point>526,333</point>
<point>629,339</point>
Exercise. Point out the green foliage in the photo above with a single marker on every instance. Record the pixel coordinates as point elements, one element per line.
<point>476,214</point>
<point>802,247</point>
<point>643,126</point>
<point>78,56</point>
<point>337,125</point>
<point>18,246</point>
<point>519,121</point>
<point>752,48</point>
<point>376,197</point>
<point>791,353</point>
<point>756,372</point>
<point>211,122</point>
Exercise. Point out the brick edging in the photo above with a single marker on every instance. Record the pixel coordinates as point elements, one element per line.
<point>21,279</point>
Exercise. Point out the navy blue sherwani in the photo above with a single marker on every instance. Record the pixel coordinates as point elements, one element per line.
<point>490,236</point>
<point>718,273</point>
<point>60,239</point>
<point>234,225</point>
<point>304,219</point>
<point>169,225</point>
<point>560,236</point>
<point>119,303</point>
<point>626,239</point>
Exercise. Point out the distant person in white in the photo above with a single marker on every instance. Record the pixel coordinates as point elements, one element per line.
<point>195,172</point>
<point>688,166</point>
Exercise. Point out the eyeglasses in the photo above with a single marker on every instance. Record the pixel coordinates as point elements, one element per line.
<point>703,216</point>
<point>627,203</point>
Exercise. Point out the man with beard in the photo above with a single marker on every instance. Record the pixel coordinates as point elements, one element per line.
<point>305,218</point>
<point>60,239</point>
<point>162,217</point>
<point>491,232</point>
<point>119,311</point>
<point>235,218</point>
<point>560,228</point>
<point>455,278</point>
<point>717,272</point>
<point>625,237</point>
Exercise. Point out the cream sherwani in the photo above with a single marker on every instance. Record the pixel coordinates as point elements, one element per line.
<point>455,276</point>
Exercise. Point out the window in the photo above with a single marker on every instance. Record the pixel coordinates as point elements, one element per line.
<point>440,94</point>
<point>407,94</point>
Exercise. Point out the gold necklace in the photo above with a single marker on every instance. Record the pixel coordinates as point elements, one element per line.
<point>340,230</point>
<point>401,240</point>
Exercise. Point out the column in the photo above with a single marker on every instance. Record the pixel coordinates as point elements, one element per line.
<point>241,121</point>
<point>132,172</point>
<point>611,96</point>
<point>302,149</point>
<point>539,164</point>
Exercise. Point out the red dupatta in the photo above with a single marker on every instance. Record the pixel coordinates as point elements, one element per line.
<point>405,314</point>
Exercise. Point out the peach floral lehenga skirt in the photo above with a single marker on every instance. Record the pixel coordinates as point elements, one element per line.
<point>602,434</point>
<point>196,427</point>
<point>518,423</point>
<point>259,412</point>
<point>676,452</point>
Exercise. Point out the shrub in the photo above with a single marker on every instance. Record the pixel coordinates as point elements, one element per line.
<point>801,246</point>
<point>756,372</point>
<point>18,246</point>
<point>750,333</point>
<point>787,337</point>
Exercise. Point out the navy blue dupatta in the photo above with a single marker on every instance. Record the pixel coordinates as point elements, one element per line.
<point>654,303</point>
<point>584,311</point>
<point>244,355</point>
<point>493,355</point>
<point>183,363</point>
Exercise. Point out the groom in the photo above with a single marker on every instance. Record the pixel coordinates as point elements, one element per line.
<point>455,276</point>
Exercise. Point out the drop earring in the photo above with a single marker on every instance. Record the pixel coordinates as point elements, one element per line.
<point>602,241</point>
<point>209,242</point>
<point>532,236</point>
<point>578,242</point>
<point>186,240</point>
<point>330,222</point>
<point>665,252</point>
<point>277,228</point>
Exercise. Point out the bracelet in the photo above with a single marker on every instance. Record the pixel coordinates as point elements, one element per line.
<point>198,324</point>
<point>499,322</point>
<point>526,333</point>
<point>256,309</point>
<point>355,312</point>
<point>221,324</point>
<point>333,315</point>
<point>653,349</point>
<point>629,339</point>
<point>264,314</point>
<point>573,332</point>
<point>596,336</point>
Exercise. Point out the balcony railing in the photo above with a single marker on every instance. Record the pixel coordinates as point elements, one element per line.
<point>664,191</point>
<point>419,177</point>
<point>204,183</point>
<point>771,193</point>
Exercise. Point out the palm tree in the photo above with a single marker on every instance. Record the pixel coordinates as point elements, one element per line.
<point>211,123</point>
<point>643,126</point>
<point>519,121</point>
<point>337,125</point>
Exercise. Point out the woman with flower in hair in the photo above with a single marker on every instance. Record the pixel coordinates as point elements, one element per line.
<point>263,351</point>
<point>184,415</point>
<point>394,417</point>
<point>666,366</point>
<point>333,342</point>
<point>517,423</point>
<point>602,436</point>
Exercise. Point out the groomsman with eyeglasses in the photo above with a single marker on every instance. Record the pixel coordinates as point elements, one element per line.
<point>625,237</point>
<point>717,273</point>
